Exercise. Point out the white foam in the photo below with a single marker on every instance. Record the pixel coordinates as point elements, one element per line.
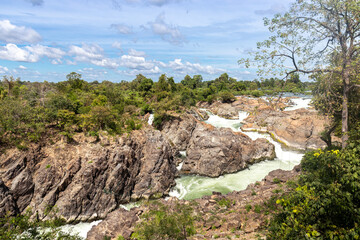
<point>299,103</point>
<point>191,187</point>
<point>81,228</point>
<point>151,119</point>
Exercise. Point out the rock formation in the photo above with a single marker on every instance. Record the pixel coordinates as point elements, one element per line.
<point>84,180</point>
<point>237,215</point>
<point>212,151</point>
<point>299,128</point>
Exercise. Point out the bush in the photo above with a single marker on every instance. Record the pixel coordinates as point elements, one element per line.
<point>21,227</point>
<point>162,222</point>
<point>326,204</point>
<point>226,97</point>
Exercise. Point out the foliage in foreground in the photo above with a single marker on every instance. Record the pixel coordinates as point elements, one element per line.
<point>22,227</point>
<point>326,204</point>
<point>162,222</point>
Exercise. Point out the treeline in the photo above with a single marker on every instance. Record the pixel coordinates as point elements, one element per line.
<point>32,111</point>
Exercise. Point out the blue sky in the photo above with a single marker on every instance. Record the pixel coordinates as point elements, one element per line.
<point>117,39</point>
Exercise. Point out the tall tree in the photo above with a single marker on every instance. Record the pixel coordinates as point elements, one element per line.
<point>308,37</point>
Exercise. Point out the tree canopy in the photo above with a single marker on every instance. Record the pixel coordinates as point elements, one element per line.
<point>314,36</point>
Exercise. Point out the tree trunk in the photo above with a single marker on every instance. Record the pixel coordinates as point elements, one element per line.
<point>345,110</point>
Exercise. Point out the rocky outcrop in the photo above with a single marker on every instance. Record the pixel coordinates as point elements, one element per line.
<point>211,151</point>
<point>238,215</point>
<point>247,104</point>
<point>86,180</point>
<point>214,152</point>
<point>7,203</point>
<point>299,128</point>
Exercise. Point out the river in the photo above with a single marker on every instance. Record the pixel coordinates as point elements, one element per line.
<point>192,186</point>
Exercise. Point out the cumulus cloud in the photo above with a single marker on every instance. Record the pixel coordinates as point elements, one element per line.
<point>10,33</point>
<point>12,52</point>
<point>133,52</point>
<point>92,53</point>
<point>136,62</point>
<point>36,2</point>
<point>187,67</point>
<point>3,70</point>
<point>122,28</point>
<point>167,32</point>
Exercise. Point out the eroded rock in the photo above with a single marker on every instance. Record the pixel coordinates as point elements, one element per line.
<point>85,181</point>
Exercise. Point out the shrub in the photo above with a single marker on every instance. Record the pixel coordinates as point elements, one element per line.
<point>326,204</point>
<point>162,222</point>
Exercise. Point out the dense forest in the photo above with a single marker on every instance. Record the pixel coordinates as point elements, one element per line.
<point>32,111</point>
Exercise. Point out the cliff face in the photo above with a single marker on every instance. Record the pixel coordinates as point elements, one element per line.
<point>86,180</point>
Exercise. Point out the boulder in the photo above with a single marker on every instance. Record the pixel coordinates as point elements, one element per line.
<point>214,152</point>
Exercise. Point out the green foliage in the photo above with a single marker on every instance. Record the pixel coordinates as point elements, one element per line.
<point>226,97</point>
<point>162,222</point>
<point>326,204</point>
<point>33,112</point>
<point>22,227</point>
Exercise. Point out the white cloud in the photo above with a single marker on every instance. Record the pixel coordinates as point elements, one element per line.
<point>3,70</point>
<point>117,45</point>
<point>93,54</point>
<point>10,33</point>
<point>133,52</point>
<point>167,32</point>
<point>50,52</point>
<point>136,62</point>
<point>122,28</point>
<point>87,53</point>
<point>187,67</point>
<point>22,67</point>
<point>12,52</point>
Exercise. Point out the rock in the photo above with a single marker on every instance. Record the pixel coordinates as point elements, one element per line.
<point>236,220</point>
<point>85,181</point>
<point>7,203</point>
<point>213,152</point>
<point>179,130</point>
<point>111,227</point>
<point>299,128</point>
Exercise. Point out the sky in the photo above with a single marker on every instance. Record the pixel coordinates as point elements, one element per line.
<point>115,40</point>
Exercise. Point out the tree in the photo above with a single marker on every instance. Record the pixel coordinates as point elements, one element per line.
<point>312,36</point>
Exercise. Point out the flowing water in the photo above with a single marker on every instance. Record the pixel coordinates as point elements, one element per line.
<point>193,186</point>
